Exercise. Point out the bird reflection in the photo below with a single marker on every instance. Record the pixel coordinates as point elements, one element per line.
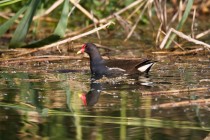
<point>96,87</point>
<point>91,98</point>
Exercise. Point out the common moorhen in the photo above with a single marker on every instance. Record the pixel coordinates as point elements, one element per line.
<point>113,68</point>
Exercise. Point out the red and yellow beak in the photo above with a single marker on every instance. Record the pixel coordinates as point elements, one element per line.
<point>82,50</point>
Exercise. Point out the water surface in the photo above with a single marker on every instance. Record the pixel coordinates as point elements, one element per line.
<point>38,102</point>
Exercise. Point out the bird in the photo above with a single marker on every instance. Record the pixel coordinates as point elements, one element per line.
<point>113,68</point>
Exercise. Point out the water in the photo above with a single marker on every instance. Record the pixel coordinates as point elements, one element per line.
<point>172,102</point>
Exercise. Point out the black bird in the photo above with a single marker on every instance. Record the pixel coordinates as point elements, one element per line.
<point>113,68</point>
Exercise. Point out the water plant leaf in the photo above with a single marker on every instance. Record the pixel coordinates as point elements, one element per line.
<point>62,24</point>
<point>59,30</point>
<point>8,2</point>
<point>4,27</point>
<point>182,21</point>
<point>22,29</point>
<point>45,41</point>
<point>185,15</point>
<point>134,121</point>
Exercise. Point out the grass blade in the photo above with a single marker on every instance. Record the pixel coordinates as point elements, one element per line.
<point>4,27</point>
<point>62,24</point>
<point>186,13</point>
<point>8,2</point>
<point>181,23</point>
<point>22,29</point>
<point>59,31</point>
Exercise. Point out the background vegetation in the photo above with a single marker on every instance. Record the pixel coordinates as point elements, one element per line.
<point>36,23</point>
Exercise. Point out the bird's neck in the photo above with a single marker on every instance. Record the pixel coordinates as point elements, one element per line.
<point>97,65</point>
<point>96,61</point>
<point>95,58</point>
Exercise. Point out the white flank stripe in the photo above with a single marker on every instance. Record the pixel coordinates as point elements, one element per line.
<point>116,69</point>
<point>145,67</point>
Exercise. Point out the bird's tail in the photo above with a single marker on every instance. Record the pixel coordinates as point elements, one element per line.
<point>145,66</point>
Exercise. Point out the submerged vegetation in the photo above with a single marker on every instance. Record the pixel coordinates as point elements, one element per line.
<point>37,23</point>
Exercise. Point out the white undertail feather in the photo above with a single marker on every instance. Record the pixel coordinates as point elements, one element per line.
<point>117,69</point>
<point>145,67</point>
